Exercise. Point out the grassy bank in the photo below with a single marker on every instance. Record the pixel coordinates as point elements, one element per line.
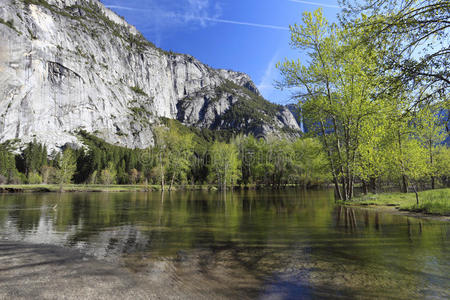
<point>36,188</point>
<point>435,202</point>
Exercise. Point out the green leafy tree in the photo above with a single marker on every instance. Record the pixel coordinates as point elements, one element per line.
<point>34,178</point>
<point>33,157</point>
<point>161,147</point>
<point>281,156</point>
<point>415,163</point>
<point>7,164</point>
<point>337,86</point>
<point>225,164</point>
<point>180,155</point>
<point>414,35</point>
<point>175,152</point>
<point>442,159</point>
<point>431,132</point>
<point>134,176</point>
<point>371,162</point>
<point>108,175</point>
<point>67,167</point>
<point>310,162</point>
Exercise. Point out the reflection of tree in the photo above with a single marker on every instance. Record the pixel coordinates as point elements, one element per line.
<point>346,218</point>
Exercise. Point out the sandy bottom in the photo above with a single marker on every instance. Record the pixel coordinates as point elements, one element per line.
<point>29,271</point>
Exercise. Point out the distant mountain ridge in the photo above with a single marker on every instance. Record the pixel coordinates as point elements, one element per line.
<point>68,65</point>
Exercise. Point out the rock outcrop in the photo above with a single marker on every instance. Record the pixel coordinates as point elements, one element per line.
<point>67,65</point>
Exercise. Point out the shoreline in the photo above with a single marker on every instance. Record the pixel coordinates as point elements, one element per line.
<point>433,204</point>
<point>96,188</point>
<point>395,210</point>
<point>53,188</point>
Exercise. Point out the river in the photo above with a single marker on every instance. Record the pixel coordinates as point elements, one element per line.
<point>289,244</point>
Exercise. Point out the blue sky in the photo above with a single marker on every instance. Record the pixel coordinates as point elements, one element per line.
<point>243,35</point>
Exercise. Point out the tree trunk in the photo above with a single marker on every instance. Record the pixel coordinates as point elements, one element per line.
<point>352,181</point>
<point>373,185</point>
<point>417,194</point>
<point>365,188</point>
<point>431,163</point>
<point>162,172</point>
<point>337,189</point>
<point>171,182</point>
<point>338,193</point>
<point>404,184</point>
<point>344,189</point>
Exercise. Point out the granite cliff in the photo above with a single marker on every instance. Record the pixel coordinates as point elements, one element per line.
<point>67,65</point>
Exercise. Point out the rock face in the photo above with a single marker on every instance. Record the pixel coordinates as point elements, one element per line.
<point>67,65</point>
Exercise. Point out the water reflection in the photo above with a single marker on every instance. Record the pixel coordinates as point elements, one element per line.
<point>255,244</point>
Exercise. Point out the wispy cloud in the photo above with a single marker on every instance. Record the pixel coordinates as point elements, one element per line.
<point>315,3</point>
<point>197,11</point>
<point>121,7</point>
<point>266,84</point>
<point>245,23</point>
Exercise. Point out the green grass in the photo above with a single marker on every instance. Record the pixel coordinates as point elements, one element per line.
<point>430,202</point>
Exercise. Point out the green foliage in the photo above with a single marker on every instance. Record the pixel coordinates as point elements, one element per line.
<point>134,176</point>
<point>225,164</point>
<point>108,175</point>
<point>33,157</point>
<point>368,134</point>
<point>67,166</point>
<point>442,161</point>
<point>7,164</point>
<point>413,36</point>
<point>34,178</point>
<point>175,150</point>
<point>9,23</point>
<point>49,174</point>
<point>98,155</point>
<point>338,85</point>
<point>138,90</point>
<point>310,163</point>
<point>250,108</point>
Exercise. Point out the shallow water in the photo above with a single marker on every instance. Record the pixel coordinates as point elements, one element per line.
<point>269,245</point>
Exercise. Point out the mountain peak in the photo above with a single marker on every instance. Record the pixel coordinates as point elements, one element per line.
<point>70,65</point>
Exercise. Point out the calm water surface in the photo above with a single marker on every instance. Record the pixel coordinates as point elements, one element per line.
<point>268,245</point>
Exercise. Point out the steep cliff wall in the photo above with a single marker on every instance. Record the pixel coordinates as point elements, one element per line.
<point>67,65</point>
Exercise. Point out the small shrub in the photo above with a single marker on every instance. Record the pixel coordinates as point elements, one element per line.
<point>10,24</point>
<point>138,90</point>
<point>34,178</point>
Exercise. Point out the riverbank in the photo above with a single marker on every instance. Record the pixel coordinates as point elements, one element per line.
<point>432,202</point>
<point>52,188</point>
<point>74,188</point>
